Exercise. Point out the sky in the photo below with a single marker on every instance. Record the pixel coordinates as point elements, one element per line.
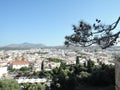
<point>49,21</point>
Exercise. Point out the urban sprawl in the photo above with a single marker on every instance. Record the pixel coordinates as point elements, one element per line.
<point>39,59</point>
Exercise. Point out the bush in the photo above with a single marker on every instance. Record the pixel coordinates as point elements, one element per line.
<point>9,84</point>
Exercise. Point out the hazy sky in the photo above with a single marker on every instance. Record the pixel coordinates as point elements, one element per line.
<point>48,21</point>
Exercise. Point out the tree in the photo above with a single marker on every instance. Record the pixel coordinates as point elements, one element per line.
<point>63,79</point>
<point>103,76</point>
<point>77,77</point>
<point>90,65</point>
<point>25,69</point>
<point>98,33</point>
<point>9,84</point>
<point>25,85</point>
<point>77,60</point>
<point>42,65</point>
<point>33,86</point>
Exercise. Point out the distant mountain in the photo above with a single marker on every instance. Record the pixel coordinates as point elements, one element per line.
<point>29,45</point>
<point>22,46</point>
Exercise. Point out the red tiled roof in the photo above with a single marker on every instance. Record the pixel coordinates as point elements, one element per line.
<point>20,62</point>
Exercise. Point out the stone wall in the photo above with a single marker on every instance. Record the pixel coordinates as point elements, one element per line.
<point>117,74</point>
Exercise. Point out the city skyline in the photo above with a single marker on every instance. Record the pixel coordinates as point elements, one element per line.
<point>48,22</point>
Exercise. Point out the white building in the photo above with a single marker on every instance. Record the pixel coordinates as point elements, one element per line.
<point>3,71</point>
<point>49,65</point>
<point>32,80</point>
<point>36,67</point>
<point>20,64</point>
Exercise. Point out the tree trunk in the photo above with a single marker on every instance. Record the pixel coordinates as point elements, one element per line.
<point>117,74</point>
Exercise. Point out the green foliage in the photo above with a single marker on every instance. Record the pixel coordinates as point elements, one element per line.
<point>33,86</point>
<point>77,60</point>
<point>103,76</point>
<point>25,69</point>
<point>63,65</point>
<point>54,60</point>
<point>84,74</point>
<point>90,65</point>
<point>12,70</point>
<point>73,76</point>
<point>43,73</point>
<point>63,80</point>
<point>25,85</point>
<point>9,84</point>
<point>36,87</point>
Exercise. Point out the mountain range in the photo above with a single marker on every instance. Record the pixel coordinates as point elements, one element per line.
<point>22,46</point>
